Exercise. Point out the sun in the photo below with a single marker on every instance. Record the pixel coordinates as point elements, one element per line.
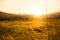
<point>37,11</point>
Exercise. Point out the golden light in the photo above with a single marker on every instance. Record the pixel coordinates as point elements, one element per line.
<point>35,7</point>
<point>37,12</point>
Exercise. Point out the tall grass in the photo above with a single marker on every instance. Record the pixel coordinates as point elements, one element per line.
<point>30,30</point>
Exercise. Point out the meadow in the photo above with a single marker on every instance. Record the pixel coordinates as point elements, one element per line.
<point>45,29</point>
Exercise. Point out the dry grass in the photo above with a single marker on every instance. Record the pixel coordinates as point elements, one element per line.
<point>30,30</point>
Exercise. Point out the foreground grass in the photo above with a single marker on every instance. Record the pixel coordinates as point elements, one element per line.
<point>30,30</point>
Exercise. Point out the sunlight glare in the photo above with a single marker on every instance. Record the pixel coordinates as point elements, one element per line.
<point>36,7</point>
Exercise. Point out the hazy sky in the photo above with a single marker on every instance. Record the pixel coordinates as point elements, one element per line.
<point>29,6</point>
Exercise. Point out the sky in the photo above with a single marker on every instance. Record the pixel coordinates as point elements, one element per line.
<point>30,6</point>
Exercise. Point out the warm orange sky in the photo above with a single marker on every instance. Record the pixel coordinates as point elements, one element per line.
<point>29,6</point>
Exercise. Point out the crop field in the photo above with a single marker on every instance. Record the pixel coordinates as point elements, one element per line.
<point>30,30</point>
